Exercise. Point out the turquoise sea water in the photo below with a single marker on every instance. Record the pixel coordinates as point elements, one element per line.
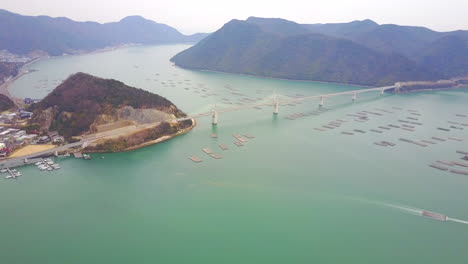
<point>290,195</point>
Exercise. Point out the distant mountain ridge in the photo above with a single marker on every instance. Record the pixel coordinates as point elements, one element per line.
<point>359,52</point>
<point>23,34</point>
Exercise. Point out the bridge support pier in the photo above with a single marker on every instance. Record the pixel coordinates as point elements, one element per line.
<point>354,96</point>
<point>276,111</point>
<point>214,117</point>
<point>321,101</point>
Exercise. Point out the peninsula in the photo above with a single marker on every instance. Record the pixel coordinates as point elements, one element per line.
<point>106,113</point>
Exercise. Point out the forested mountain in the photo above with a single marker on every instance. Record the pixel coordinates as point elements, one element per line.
<point>23,34</point>
<point>359,52</point>
<point>5,103</point>
<point>75,104</point>
<point>284,49</point>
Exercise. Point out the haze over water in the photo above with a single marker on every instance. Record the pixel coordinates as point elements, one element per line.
<point>290,195</point>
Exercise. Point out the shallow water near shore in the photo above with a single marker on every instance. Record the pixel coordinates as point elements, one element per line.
<point>292,194</point>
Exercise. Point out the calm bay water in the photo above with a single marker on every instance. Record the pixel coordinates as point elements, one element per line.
<point>291,195</point>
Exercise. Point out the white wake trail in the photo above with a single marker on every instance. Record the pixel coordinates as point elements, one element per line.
<point>457,220</point>
<point>405,208</point>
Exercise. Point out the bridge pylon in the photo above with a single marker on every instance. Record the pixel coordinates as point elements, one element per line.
<point>276,110</point>
<point>214,116</point>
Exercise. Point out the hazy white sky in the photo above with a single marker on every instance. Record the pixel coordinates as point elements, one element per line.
<point>208,15</point>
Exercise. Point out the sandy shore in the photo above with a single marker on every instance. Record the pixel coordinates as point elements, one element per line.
<point>30,149</point>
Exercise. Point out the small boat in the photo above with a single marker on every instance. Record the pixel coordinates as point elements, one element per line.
<point>433,215</point>
<point>3,170</point>
<point>38,163</point>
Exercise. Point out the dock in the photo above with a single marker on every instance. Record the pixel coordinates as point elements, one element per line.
<point>438,167</point>
<point>207,151</point>
<point>385,144</point>
<point>459,172</point>
<point>413,142</point>
<point>388,143</point>
<point>195,159</point>
<point>461,164</point>
<point>445,162</point>
<point>223,147</point>
<point>215,156</point>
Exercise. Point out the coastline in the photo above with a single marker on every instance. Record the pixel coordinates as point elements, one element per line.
<point>275,78</point>
<point>5,87</point>
<point>149,143</point>
<point>438,89</point>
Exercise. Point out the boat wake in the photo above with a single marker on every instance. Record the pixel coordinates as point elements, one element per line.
<point>457,220</point>
<point>415,211</point>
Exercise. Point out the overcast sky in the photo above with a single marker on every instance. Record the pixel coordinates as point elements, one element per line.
<point>208,15</point>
